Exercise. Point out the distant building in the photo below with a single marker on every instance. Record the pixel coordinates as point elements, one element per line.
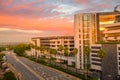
<point>54,42</point>
<point>90,28</point>
<point>110,64</point>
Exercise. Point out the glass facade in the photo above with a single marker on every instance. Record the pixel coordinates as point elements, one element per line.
<point>107,27</point>
<point>86,25</point>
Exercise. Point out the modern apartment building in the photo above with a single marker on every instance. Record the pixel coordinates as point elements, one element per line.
<point>54,42</point>
<point>90,28</point>
<point>110,64</point>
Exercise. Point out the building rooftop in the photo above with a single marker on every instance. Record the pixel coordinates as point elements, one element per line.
<point>52,37</point>
<point>101,13</point>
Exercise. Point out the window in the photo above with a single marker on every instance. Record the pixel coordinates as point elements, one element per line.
<point>52,41</point>
<point>86,41</point>
<point>65,45</point>
<point>79,36</point>
<point>86,30</point>
<point>94,51</point>
<point>98,64</point>
<point>65,41</point>
<point>79,30</point>
<point>94,47</point>
<point>71,45</point>
<point>79,41</point>
<point>99,60</point>
<point>86,24</point>
<point>119,48</point>
<point>93,55</point>
<point>53,45</point>
<point>86,36</point>
<point>71,49</point>
<point>71,41</point>
<point>86,17</point>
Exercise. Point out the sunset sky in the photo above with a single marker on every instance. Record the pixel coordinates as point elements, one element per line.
<point>22,19</point>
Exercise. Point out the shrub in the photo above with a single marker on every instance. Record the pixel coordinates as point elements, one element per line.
<point>9,76</point>
<point>2,49</point>
<point>1,56</point>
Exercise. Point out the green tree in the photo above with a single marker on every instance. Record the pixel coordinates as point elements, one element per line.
<point>52,51</point>
<point>2,49</point>
<point>36,52</point>
<point>42,49</point>
<point>74,52</point>
<point>36,48</point>
<point>66,53</point>
<point>1,56</point>
<point>87,53</point>
<point>32,47</point>
<point>60,48</point>
<point>101,54</point>
<point>9,76</point>
<point>20,49</point>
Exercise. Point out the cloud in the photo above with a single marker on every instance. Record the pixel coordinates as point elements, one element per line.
<point>54,8</point>
<point>6,2</point>
<point>32,9</point>
<point>37,24</point>
<point>66,9</point>
<point>99,6</point>
<point>82,1</point>
<point>9,30</point>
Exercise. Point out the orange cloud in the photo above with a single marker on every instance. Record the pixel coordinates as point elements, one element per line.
<point>36,24</point>
<point>5,2</point>
<point>82,1</point>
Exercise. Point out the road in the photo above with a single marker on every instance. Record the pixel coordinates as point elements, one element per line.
<point>34,71</point>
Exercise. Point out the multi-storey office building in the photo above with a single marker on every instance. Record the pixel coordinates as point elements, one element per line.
<point>54,42</point>
<point>110,64</point>
<point>89,28</point>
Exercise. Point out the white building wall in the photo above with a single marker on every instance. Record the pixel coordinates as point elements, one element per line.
<point>61,42</point>
<point>118,58</point>
<point>93,66</point>
<point>79,39</point>
<point>76,39</point>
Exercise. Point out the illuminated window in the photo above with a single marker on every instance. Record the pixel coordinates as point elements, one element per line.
<point>86,17</point>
